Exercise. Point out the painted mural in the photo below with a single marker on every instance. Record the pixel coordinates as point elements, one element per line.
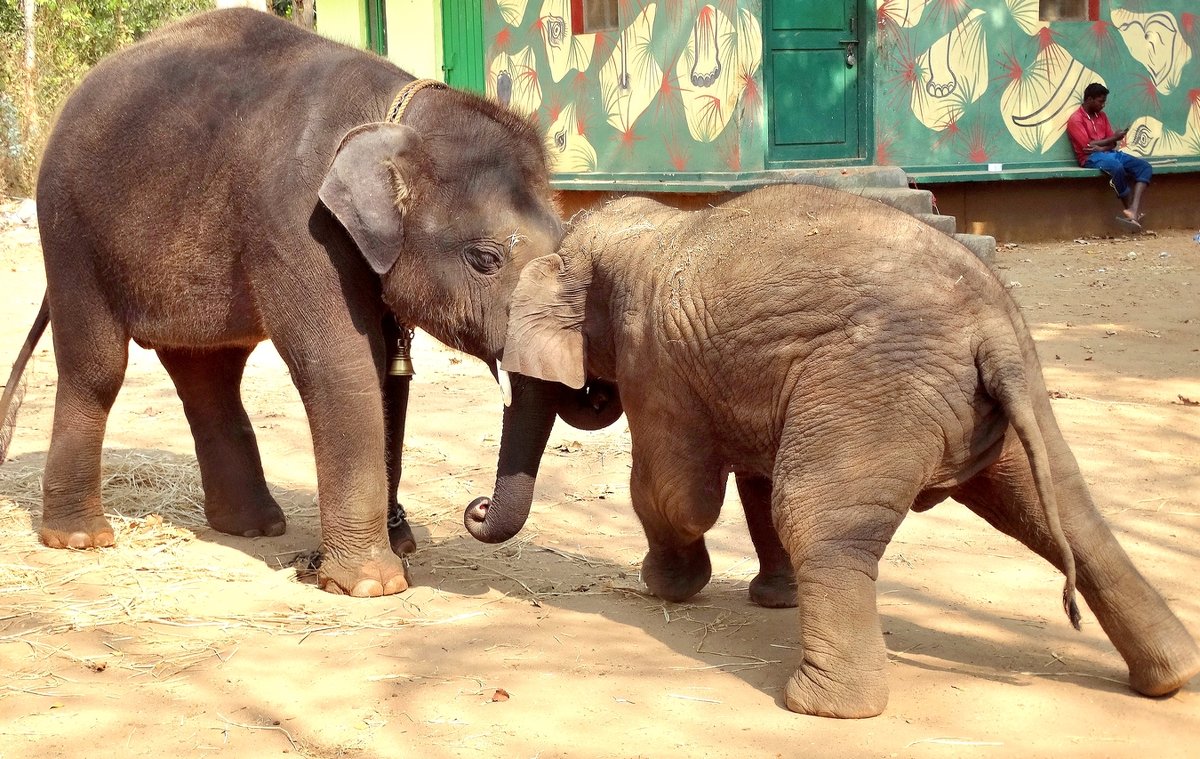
<point>672,90</point>
<point>987,82</point>
<point>678,88</point>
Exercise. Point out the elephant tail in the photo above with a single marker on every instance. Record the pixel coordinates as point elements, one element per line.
<point>14,391</point>
<point>1005,375</point>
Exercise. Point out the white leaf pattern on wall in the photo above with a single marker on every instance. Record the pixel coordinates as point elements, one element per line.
<point>512,10</point>
<point>512,80</point>
<point>708,75</point>
<point>1154,40</point>
<point>951,74</point>
<point>570,151</point>
<point>564,51</point>
<point>1035,107</point>
<point>1148,137</point>
<point>631,77</point>
<point>907,13</point>
<point>1026,13</point>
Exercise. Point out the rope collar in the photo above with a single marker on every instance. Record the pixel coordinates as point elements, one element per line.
<point>405,96</point>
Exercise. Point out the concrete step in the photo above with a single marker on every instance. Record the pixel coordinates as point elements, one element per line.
<point>911,201</point>
<point>848,178</point>
<point>945,224</point>
<point>983,246</point>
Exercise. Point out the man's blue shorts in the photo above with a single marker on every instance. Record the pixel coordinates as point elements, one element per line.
<point>1121,168</point>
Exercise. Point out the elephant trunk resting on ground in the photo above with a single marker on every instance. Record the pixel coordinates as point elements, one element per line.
<point>848,364</point>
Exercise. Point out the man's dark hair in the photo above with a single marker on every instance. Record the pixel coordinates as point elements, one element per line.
<point>1094,90</point>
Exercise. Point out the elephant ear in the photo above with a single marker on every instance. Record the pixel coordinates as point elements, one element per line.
<point>545,322</point>
<point>368,188</point>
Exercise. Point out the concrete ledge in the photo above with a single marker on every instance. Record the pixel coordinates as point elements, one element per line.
<point>1065,208</point>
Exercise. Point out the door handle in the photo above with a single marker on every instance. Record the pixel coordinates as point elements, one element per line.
<point>851,57</point>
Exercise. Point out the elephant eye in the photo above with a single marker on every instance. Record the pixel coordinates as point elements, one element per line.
<point>485,256</point>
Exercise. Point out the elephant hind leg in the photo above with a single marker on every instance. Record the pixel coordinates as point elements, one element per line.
<point>838,500</point>
<point>1160,653</point>
<point>774,587</point>
<point>236,498</point>
<point>91,351</point>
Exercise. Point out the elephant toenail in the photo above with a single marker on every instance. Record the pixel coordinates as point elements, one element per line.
<point>369,588</point>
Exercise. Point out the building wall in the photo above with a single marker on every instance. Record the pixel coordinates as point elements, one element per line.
<point>671,118</point>
<point>984,82</point>
<point>414,31</point>
<point>343,21</point>
<point>966,85</point>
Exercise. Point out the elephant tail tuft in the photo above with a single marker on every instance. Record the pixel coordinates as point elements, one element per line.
<point>1005,375</point>
<point>14,389</point>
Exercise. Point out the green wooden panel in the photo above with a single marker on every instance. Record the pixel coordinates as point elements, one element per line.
<point>377,26</point>
<point>800,15</point>
<point>810,105</point>
<point>462,44</point>
<point>813,98</point>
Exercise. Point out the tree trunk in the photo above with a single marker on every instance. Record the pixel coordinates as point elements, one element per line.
<point>304,13</point>
<point>30,15</point>
<point>29,108</point>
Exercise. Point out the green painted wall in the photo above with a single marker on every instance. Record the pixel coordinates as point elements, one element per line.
<point>984,82</point>
<point>634,100</point>
<point>953,83</point>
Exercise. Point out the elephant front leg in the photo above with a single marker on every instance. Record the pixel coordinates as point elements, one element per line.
<point>775,585</point>
<point>677,498</point>
<point>397,377</point>
<point>340,389</point>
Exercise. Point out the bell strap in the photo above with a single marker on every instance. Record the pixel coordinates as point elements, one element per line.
<point>405,96</point>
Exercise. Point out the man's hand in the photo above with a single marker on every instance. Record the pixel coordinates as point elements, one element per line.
<point>1120,134</point>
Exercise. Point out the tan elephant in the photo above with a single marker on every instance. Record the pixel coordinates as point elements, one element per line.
<point>848,364</point>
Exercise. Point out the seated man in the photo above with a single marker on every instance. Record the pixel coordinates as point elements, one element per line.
<point>1095,145</point>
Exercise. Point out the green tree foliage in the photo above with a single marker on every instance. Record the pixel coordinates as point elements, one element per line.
<point>71,36</point>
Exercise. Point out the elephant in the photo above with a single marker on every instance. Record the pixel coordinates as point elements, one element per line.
<point>847,364</point>
<point>233,178</point>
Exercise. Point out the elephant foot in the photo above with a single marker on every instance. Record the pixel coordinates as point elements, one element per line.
<point>677,574</point>
<point>92,532</point>
<point>400,534</point>
<point>247,520</point>
<point>813,690</point>
<point>1179,664</point>
<point>383,575</point>
<point>775,591</point>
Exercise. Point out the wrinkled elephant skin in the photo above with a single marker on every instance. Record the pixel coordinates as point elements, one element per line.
<point>846,377</point>
<point>232,179</point>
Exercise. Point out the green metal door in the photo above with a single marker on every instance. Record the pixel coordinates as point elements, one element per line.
<point>462,44</point>
<point>812,70</point>
<point>377,27</point>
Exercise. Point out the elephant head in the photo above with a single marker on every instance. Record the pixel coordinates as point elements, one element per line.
<point>446,222</point>
<point>545,350</point>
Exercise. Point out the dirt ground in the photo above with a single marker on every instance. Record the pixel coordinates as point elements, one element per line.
<point>188,643</point>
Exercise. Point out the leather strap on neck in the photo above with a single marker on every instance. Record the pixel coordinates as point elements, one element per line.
<point>405,96</point>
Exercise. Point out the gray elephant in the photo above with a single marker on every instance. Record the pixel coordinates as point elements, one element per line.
<point>848,364</point>
<point>233,179</point>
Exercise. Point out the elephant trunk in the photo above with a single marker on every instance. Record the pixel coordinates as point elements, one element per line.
<point>527,424</point>
<point>594,407</point>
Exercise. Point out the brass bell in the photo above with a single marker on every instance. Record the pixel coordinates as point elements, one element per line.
<point>401,365</point>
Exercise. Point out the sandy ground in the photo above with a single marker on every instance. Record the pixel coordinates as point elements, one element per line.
<point>185,642</point>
